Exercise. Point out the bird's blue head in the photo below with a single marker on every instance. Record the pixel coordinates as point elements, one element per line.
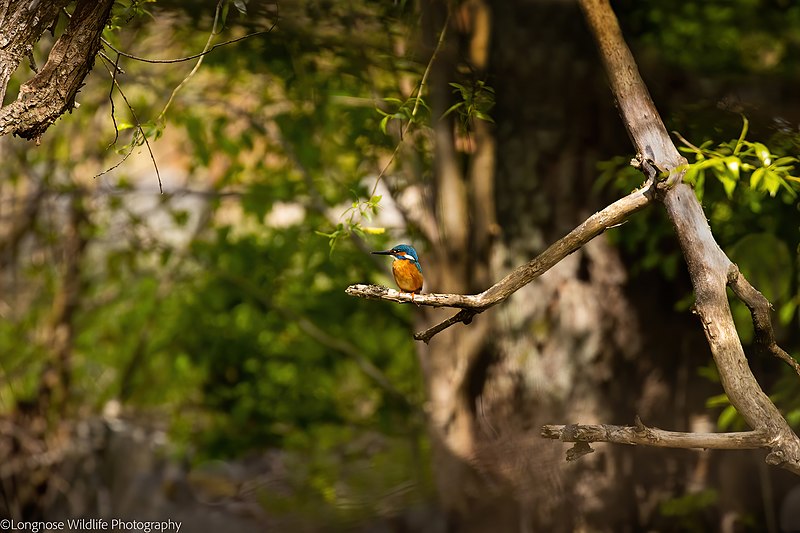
<point>402,252</point>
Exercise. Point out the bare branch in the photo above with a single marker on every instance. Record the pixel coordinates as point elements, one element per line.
<point>139,128</point>
<point>465,316</point>
<point>759,308</point>
<point>593,226</point>
<point>640,434</point>
<point>473,302</point>
<point>187,58</point>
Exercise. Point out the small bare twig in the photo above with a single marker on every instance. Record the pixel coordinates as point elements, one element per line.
<point>465,316</point>
<point>111,99</point>
<point>187,58</point>
<point>760,309</point>
<point>141,132</point>
<point>207,49</point>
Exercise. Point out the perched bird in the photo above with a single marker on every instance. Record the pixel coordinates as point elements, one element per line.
<point>406,268</point>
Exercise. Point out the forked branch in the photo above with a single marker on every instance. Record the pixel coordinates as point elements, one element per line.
<point>710,270</point>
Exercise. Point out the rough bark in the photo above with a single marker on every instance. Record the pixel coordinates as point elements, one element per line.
<point>23,24</point>
<point>51,91</point>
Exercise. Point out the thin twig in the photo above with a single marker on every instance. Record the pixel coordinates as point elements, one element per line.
<point>144,138</point>
<point>111,99</point>
<point>187,58</point>
<point>422,83</point>
<point>196,67</point>
<point>465,316</point>
<point>760,309</point>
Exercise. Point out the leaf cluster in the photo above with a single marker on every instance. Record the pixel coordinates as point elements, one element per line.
<point>733,161</point>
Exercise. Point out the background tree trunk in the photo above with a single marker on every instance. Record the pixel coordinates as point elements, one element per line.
<point>571,346</point>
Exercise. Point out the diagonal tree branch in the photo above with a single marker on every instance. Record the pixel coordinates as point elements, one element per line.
<point>611,216</point>
<point>708,265</point>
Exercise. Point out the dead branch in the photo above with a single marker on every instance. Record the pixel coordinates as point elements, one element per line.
<point>465,316</point>
<point>641,434</point>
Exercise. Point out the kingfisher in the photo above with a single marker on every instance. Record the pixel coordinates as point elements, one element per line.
<point>406,269</point>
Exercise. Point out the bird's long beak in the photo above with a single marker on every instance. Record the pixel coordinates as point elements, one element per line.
<point>387,252</point>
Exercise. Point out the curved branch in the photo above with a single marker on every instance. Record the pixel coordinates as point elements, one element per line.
<point>186,58</point>
<point>611,216</point>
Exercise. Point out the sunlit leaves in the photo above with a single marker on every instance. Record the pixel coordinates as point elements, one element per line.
<point>354,215</point>
<point>730,162</point>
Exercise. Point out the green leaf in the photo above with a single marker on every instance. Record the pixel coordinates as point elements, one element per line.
<point>757,177</point>
<point>732,166</point>
<point>772,182</point>
<point>720,400</point>
<point>786,311</point>
<point>728,184</point>
<point>727,418</point>
<point>484,117</point>
<point>785,161</point>
<point>763,153</point>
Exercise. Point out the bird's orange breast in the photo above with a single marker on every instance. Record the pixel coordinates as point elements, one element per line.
<point>407,275</point>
